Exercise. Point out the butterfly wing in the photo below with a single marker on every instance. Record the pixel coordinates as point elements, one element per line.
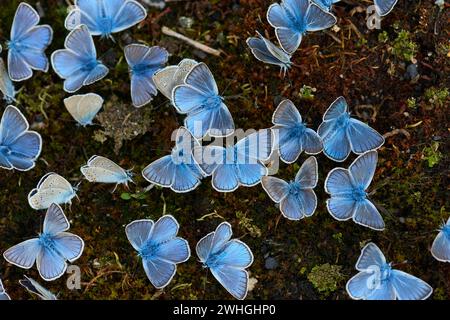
<point>28,43</point>
<point>163,80</point>
<point>363,168</point>
<point>366,214</point>
<point>203,247</point>
<point>161,172</point>
<point>55,220</point>
<point>259,49</point>
<point>50,264</point>
<point>409,287</point>
<point>441,247</point>
<point>185,178</point>
<point>159,272</point>
<point>68,245</point>
<point>24,146</point>
<point>277,189</point>
<point>286,114</point>
<point>35,288</point>
<point>371,256</point>
<point>150,59</point>
<point>130,13</point>
<point>234,280</point>
<point>224,178</point>
<point>367,286</point>
<point>51,189</point>
<point>84,108</point>
<point>138,232</point>
<point>175,250</point>
<point>281,18</point>
<point>78,64</point>
<point>6,85</point>
<point>3,294</point>
<point>166,228</point>
<point>384,7</point>
<point>311,142</point>
<point>318,19</point>
<point>85,12</point>
<point>101,169</point>
<point>23,254</point>
<point>363,138</point>
<point>308,174</point>
<point>337,108</point>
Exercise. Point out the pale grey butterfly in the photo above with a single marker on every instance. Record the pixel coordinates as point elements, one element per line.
<point>171,76</point>
<point>101,169</point>
<point>84,108</point>
<point>52,188</point>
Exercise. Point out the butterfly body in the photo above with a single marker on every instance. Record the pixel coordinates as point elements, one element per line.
<point>348,191</point>
<point>227,259</point>
<point>325,4</point>
<point>143,62</point>
<point>292,19</point>
<point>51,249</point>
<point>159,248</point>
<point>378,280</point>
<point>294,137</point>
<point>341,134</point>
<point>178,170</point>
<point>238,165</point>
<point>265,51</point>
<point>28,42</point>
<point>52,188</point>
<point>19,147</point>
<point>103,18</point>
<point>297,198</point>
<point>199,98</point>
<point>77,64</point>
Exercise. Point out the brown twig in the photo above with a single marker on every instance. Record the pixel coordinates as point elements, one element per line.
<point>195,44</point>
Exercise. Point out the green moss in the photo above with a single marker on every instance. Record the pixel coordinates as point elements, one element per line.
<point>437,97</point>
<point>247,224</point>
<point>432,155</point>
<point>383,37</point>
<point>307,92</point>
<point>326,278</point>
<point>403,47</point>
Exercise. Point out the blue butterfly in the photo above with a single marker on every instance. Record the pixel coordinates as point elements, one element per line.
<point>227,259</point>
<point>35,288</point>
<point>341,133</point>
<point>441,245</point>
<point>325,4</point>
<point>52,188</point>
<point>347,188</point>
<point>101,169</point>
<point>241,164</point>
<point>104,17</point>
<point>377,280</point>
<point>51,250</point>
<point>293,135</point>
<point>143,62</point>
<point>6,85</point>
<point>19,147</point>
<point>297,198</point>
<point>292,19</point>
<point>178,170</point>
<point>265,51</point>
<point>3,294</point>
<point>28,43</point>
<point>159,247</point>
<point>199,98</point>
<point>84,108</point>
<point>78,63</point>
<point>384,7</point>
